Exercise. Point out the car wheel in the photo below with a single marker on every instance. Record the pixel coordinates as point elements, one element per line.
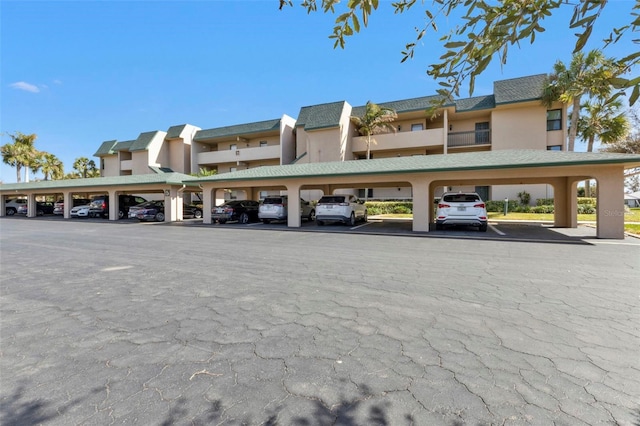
<point>222,221</point>
<point>197,214</point>
<point>40,213</point>
<point>483,228</point>
<point>10,211</point>
<point>244,218</point>
<point>352,220</point>
<point>121,214</point>
<point>320,222</point>
<point>159,217</point>
<point>365,218</point>
<point>312,216</point>
<point>266,221</point>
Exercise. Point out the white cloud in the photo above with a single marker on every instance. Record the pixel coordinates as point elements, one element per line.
<point>21,85</point>
<point>58,82</point>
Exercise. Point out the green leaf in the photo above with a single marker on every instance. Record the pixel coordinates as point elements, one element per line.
<point>454,44</point>
<point>634,95</point>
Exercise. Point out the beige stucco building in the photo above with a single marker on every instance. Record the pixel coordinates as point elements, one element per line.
<point>512,117</point>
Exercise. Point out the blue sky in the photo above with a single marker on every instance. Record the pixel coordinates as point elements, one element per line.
<point>78,73</point>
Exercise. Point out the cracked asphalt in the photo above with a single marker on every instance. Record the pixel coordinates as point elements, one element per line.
<point>108,323</point>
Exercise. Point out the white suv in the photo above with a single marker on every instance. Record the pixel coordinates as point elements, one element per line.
<point>340,208</point>
<point>12,206</point>
<point>276,207</point>
<point>461,208</point>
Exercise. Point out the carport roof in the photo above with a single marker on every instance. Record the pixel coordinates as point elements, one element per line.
<point>146,179</point>
<point>503,159</point>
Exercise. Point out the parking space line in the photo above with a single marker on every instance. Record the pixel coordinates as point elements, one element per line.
<point>360,226</point>
<point>496,230</point>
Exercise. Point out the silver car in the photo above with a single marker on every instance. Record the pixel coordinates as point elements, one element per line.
<point>276,207</point>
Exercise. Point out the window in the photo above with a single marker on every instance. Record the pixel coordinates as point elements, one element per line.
<point>233,147</point>
<point>554,119</point>
<point>554,148</point>
<point>417,127</point>
<point>263,143</point>
<point>482,133</point>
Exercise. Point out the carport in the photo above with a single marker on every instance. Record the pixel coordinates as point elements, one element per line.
<point>172,185</point>
<point>425,173</point>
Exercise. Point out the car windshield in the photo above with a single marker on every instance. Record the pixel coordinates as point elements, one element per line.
<point>332,199</point>
<point>273,200</point>
<point>461,198</point>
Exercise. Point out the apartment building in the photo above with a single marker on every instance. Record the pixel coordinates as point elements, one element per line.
<point>512,117</point>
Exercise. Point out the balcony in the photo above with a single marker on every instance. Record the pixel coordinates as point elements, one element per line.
<point>400,140</point>
<point>126,165</point>
<point>241,154</point>
<point>478,137</point>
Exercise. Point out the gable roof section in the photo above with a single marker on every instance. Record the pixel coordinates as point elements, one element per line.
<point>143,141</point>
<point>519,89</point>
<point>175,132</point>
<point>123,146</point>
<point>238,130</point>
<point>405,105</point>
<point>503,159</point>
<point>323,116</point>
<point>477,103</point>
<point>106,148</point>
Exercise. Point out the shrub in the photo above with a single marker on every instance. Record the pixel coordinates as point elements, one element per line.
<point>586,209</point>
<point>498,206</point>
<point>587,200</point>
<point>389,207</point>
<point>542,209</point>
<point>544,202</point>
<point>524,198</point>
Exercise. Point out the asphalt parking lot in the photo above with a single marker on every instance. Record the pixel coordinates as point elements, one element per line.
<point>160,324</point>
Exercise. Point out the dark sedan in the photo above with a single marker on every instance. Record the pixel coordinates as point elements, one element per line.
<point>42,208</point>
<point>244,211</point>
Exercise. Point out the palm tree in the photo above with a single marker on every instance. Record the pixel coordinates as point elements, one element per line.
<point>376,119</point>
<point>51,166</point>
<point>603,121</point>
<point>84,167</point>
<point>592,74</point>
<point>20,153</point>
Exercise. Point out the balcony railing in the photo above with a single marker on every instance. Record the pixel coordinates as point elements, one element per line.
<point>477,137</point>
<point>400,140</point>
<point>243,154</point>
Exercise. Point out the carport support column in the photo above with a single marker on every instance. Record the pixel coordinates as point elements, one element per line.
<point>565,206</point>
<point>421,205</point>
<point>114,205</point>
<point>293,209</point>
<point>3,206</point>
<point>31,206</point>
<point>610,208</point>
<point>172,205</point>
<point>67,199</point>
<point>207,203</point>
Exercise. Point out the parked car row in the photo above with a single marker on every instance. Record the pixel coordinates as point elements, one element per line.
<point>459,208</point>
<point>334,208</point>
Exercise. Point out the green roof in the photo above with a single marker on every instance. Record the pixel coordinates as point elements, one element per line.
<point>322,116</point>
<point>143,141</point>
<point>519,89</point>
<point>106,148</point>
<point>123,146</point>
<point>145,179</point>
<point>477,103</point>
<point>175,132</point>
<point>238,130</point>
<point>501,159</point>
<point>406,105</point>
